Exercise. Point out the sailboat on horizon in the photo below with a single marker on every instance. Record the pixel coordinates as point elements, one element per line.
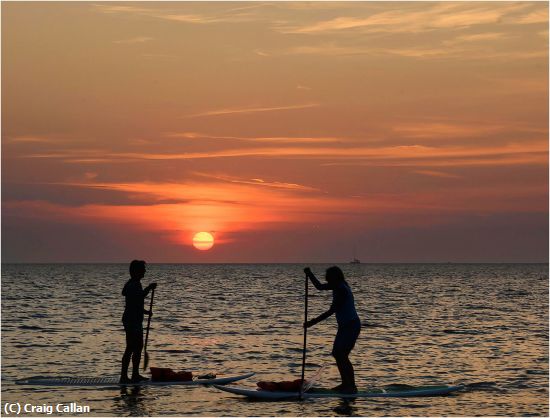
<point>355,259</point>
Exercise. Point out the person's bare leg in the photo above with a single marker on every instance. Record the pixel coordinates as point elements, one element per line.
<point>341,370</point>
<point>125,364</point>
<point>136,358</point>
<point>347,374</point>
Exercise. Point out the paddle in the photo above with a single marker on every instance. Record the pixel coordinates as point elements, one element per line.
<point>305,342</point>
<point>314,379</point>
<point>146,354</point>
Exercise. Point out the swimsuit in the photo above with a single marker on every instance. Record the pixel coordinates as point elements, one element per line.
<point>349,325</point>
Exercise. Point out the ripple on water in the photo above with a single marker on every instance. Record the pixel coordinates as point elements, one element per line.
<point>480,324</point>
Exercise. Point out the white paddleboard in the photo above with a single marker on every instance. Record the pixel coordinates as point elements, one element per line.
<point>114,381</point>
<point>402,392</point>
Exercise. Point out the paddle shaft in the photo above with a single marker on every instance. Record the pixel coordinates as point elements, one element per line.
<point>305,339</point>
<point>146,359</point>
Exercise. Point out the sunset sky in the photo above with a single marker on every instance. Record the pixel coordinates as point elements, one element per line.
<point>292,132</point>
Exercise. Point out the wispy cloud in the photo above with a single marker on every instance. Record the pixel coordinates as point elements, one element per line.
<point>90,175</point>
<point>252,6</point>
<point>450,50</point>
<point>136,40</point>
<point>477,37</point>
<point>176,210</point>
<point>532,159</point>
<point>420,52</point>
<point>173,13</point>
<point>204,206</point>
<point>261,53</point>
<point>533,152</point>
<point>537,16</point>
<point>441,174</point>
<point>110,9</point>
<point>415,20</point>
<point>442,130</point>
<point>245,110</point>
<point>275,139</point>
<point>157,56</point>
<point>331,49</point>
<point>257,182</point>
<point>29,139</point>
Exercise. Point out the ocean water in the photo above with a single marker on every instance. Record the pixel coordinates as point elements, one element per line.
<point>485,325</point>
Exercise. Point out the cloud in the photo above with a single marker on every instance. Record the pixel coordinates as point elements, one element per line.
<point>420,52</point>
<point>442,130</point>
<point>537,16</point>
<point>452,49</point>
<point>524,152</point>
<point>90,175</point>
<point>432,173</point>
<point>246,110</point>
<point>277,139</point>
<point>109,9</point>
<point>492,161</point>
<point>30,139</point>
<point>258,182</point>
<point>136,40</point>
<point>204,206</point>
<point>252,6</point>
<point>172,14</point>
<point>157,56</point>
<point>421,18</point>
<point>331,49</point>
<point>511,55</point>
<point>477,37</point>
<point>201,206</point>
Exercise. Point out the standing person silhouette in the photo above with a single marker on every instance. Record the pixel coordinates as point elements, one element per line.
<point>133,320</point>
<point>349,325</point>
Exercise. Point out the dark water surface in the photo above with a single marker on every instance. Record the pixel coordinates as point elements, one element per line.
<point>423,324</point>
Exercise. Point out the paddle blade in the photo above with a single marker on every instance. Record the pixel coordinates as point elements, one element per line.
<point>145,360</point>
<point>309,383</point>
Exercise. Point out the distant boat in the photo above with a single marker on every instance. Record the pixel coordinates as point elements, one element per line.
<point>355,259</point>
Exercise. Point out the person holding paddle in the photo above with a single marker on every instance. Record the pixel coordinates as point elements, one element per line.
<point>133,320</point>
<point>349,325</point>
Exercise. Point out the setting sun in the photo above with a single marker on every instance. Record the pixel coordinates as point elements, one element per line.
<point>203,241</point>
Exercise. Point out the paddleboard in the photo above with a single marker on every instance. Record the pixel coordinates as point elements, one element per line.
<point>391,391</point>
<point>114,381</point>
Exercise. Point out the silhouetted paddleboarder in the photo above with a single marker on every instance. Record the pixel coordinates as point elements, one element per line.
<point>349,325</point>
<point>133,320</point>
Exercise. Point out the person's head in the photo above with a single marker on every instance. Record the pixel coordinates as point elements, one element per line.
<point>137,269</point>
<point>334,275</point>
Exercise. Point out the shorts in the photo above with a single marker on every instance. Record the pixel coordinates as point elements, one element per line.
<point>134,336</point>
<point>346,337</point>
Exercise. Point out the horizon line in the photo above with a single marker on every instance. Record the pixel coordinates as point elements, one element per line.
<point>284,262</point>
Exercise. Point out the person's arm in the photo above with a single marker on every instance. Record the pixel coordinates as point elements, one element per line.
<point>149,288</point>
<point>318,285</point>
<point>334,307</point>
<point>320,318</point>
<point>145,292</point>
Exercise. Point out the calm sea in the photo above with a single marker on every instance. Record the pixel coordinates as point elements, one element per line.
<point>481,324</point>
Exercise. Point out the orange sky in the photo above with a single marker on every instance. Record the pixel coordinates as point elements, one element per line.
<point>293,132</point>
